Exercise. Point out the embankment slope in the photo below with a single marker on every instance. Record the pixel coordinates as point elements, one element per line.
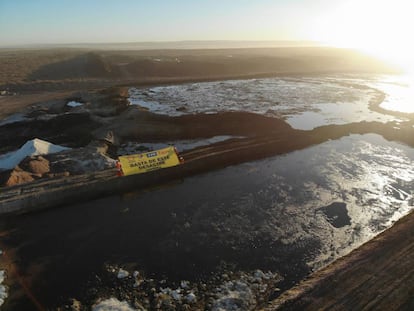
<point>379,275</point>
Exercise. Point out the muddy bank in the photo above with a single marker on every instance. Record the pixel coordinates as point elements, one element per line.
<point>140,125</point>
<point>378,275</point>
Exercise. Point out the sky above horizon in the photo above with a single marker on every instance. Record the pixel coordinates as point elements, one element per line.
<point>380,26</point>
<point>92,21</point>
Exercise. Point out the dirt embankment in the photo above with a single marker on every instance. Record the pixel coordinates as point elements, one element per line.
<point>377,276</point>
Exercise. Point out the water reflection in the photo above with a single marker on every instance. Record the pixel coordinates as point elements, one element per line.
<point>287,214</point>
<point>400,93</point>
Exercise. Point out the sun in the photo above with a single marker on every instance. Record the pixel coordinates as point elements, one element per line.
<point>380,28</point>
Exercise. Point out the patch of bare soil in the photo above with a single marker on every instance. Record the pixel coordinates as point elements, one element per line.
<point>16,103</point>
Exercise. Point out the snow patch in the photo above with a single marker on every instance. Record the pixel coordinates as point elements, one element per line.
<point>122,274</point>
<point>3,291</point>
<point>235,295</point>
<point>74,104</point>
<point>191,297</point>
<point>184,284</point>
<point>112,304</point>
<point>176,294</point>
<point>30,148</point>
<point>90,162</point>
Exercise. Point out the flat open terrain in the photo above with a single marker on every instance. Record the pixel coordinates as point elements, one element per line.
<point>46,70</point>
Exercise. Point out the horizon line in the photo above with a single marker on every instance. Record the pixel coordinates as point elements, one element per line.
<point>191,44</point>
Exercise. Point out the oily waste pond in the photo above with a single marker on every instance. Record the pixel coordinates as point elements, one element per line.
<point>286,215</point>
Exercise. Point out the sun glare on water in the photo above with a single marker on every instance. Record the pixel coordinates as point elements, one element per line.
<point>400,93</point>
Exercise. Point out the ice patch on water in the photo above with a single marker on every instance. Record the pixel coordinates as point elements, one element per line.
<point>151,106</point>
<point>30,148</point>
<point>112,304</point>
<point>304,102</point>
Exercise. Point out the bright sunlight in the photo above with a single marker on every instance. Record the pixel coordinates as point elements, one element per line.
<point>380,28</point>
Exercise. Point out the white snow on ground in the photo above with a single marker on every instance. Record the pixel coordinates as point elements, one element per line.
<point>241,294</point>
<point>235,295</point>
<point>85,162</point>
<point>30,148</point>
<point>3,292</point>
<point>122,274</point>
<point>74,104</point>
<point>112,304</point>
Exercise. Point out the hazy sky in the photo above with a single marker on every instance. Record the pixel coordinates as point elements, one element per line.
<point>76,21</point>
<point>382,27</point>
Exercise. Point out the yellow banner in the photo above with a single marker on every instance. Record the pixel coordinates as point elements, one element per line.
<point>145,162</point>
